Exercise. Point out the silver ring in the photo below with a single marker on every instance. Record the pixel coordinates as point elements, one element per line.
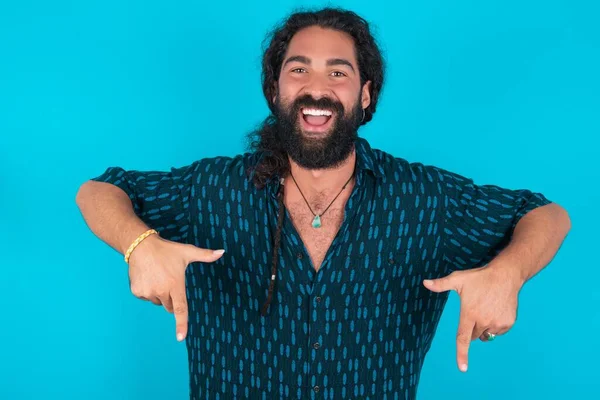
<point>489,336</point>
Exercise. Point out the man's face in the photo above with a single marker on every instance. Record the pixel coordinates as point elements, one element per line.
<point>320,99</point>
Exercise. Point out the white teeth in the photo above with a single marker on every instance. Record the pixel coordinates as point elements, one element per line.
<point>315,111</point>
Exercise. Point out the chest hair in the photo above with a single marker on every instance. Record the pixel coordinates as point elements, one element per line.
<point>317,240</point>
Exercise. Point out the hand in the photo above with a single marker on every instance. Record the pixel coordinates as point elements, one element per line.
<point>488,302</point>
<point>157,274</point>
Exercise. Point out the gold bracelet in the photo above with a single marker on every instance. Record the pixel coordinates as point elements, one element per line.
<point>138,241</point>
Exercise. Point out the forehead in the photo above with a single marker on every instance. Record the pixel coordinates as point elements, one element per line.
<point>320,44</point>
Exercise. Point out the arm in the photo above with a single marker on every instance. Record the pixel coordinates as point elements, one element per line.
<point>109,213</point>
<point>121,204</point>
<point>534,243</point>
<point>481,220</point>
<point>494,240</point>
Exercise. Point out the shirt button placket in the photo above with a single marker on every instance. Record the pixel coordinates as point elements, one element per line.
<point>317,315</point>
<point>313,322</point>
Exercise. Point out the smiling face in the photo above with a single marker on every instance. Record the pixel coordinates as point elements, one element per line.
<point>320,99</point>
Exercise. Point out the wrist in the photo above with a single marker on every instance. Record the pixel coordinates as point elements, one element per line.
<point>144,239</point>
<point>508,270</point>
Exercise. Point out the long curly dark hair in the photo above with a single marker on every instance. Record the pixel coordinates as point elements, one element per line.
<point>370,64</point>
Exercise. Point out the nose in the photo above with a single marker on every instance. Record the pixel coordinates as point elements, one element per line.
<point>318,87</point>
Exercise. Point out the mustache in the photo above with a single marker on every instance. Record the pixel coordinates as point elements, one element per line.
<point>307,101</point>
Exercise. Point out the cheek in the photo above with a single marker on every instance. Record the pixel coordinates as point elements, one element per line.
<point>348,97</point>
<point>287,88</point>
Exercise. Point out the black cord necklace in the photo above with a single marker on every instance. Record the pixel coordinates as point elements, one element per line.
<point>316,223</point>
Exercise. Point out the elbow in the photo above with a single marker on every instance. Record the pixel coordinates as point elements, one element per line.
<point>81,193</point>
<point>563,218</point>
<point>79,196</point>
<point>568,221</point>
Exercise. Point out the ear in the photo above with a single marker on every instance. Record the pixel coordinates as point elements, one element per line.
<point>366,95</point>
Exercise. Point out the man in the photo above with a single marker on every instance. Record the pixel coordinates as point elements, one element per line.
<point>320,266</point>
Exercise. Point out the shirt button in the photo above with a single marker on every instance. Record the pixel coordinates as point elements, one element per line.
<point>316,346</point>
<point>316,389</point>
<point>300,256</point>
<point>318,299</point>
<point>391,260</point>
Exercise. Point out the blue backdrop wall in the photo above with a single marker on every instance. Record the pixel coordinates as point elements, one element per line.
<point>505,92</point>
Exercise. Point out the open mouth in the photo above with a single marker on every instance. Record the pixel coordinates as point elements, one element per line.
<point>316,119</point>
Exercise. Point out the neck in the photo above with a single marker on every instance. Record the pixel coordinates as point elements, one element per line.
<point>323,181</point>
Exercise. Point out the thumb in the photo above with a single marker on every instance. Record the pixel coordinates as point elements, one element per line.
<point>440,285</point>
<point>203,255</point>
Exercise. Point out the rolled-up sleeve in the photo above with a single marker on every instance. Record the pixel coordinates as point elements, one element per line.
<point>479,220</point>
<point>161,199</point>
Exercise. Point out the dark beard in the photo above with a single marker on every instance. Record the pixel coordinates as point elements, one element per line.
<point>326,152</point>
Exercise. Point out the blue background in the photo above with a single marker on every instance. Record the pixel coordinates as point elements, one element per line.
<point>505,92</point>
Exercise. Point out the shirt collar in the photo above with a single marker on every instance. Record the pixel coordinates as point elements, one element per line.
<point>366,159</point>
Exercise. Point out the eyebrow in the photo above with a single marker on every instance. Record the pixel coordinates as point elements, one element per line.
<point>330,62</point>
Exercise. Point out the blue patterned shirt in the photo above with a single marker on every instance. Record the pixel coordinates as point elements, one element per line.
<point>361,326</point>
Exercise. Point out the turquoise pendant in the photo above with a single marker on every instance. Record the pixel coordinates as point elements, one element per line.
<point>316,222</point>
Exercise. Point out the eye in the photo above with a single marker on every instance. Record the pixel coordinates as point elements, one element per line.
<point>338,74</point>
<point>299,70</point>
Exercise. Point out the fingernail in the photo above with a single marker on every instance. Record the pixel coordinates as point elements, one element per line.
<point>428,281</point>
<point>463,367</point>
<point>180,337</point>
<point>218,252</point>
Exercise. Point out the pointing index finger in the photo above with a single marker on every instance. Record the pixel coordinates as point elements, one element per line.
<point>463,341</point>
<point>180,309</point>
